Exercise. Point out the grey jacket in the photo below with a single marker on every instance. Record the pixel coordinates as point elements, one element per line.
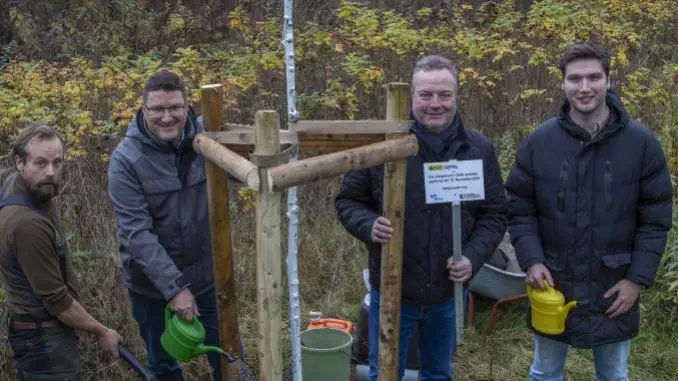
<point>159,196</point>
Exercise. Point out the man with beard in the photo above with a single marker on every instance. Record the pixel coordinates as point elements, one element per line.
<point>156,182</point>
<point>590,209</point>
<point>429,272</point>
<point>35,267</point>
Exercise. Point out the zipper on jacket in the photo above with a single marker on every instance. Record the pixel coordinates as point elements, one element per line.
<point>177,163</point>
<point>608,185</point>
<point>563,179</point>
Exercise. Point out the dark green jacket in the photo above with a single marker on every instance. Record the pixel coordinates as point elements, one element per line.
<point>34,264</point>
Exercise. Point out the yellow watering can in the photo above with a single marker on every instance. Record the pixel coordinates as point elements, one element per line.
<point>548,309</point>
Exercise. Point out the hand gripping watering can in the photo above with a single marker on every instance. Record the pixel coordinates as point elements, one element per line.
<point>183,340</point>
<point>548,309</point>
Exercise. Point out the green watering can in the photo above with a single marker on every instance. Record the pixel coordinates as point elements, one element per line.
<point>183,340</point>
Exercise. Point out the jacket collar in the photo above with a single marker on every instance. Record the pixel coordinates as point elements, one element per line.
<point>454,137</point>
<point>12,183</point>
<point>618,119</point>
<point>138,129</point>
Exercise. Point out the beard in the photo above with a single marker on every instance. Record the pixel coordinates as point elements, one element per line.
<point>44,191</point>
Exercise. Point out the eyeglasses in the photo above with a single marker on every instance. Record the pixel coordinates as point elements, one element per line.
<point>176,110</point>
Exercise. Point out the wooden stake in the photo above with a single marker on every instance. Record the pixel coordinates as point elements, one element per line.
<point>334,164</point>
<point>220,234</point>
<point>269,272</point>
<point>397,108</point>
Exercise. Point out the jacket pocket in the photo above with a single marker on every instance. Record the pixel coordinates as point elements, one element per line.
<point>612,269</point>
<point>555,261</point>
<point>159,194</point>
<point>616,260</point>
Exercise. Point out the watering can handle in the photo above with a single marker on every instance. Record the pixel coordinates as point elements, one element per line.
<point>546,283</point>
<point>530,288</point>
<point>168,314</point>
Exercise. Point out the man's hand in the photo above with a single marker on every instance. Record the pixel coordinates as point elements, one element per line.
<point>183,304</point>
<point>627,293</point>
<point>460,272</point>
<point>381,230</point>
<point>536,273</point>
<point>109,341</point>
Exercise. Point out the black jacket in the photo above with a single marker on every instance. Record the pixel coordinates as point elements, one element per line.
<point>428,228</point>
<point>594,211</point>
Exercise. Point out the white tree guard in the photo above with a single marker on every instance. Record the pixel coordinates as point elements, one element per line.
<point>292,203</point>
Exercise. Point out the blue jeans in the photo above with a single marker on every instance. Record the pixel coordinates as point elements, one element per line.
<point>150,315</point>
<point>437,338</point>
<point>611,360</point>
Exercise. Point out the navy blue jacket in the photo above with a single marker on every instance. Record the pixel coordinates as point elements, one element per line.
<point>594,211</point>
<point>428,227</point>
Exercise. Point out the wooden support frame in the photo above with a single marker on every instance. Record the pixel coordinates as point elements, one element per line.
<point>220,235</point>
<point>389,144</point>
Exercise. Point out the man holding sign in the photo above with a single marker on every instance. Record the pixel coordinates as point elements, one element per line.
<point>590,209</point>
<point>429,272</point>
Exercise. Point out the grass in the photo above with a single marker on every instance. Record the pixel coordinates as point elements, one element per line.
<point>507,353</point>
<point>330,269</point>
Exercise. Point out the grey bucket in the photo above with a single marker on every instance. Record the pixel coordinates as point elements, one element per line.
<point>326,354</point>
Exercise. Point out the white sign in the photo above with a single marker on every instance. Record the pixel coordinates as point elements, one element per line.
<point>454,181</point>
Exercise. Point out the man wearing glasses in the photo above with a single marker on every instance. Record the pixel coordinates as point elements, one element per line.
<point>157,185</point>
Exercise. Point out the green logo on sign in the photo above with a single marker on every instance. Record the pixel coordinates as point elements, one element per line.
<point>435,167</point>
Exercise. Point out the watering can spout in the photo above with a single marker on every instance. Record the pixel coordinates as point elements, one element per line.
<point>569,306</point>
<point>201,349</point>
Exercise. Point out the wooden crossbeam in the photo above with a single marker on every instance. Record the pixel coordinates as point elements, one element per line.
<point>242,141</point>
<point>319,136</point>
<point>325,166</point>
<point>231,162</point>
<point>245,136</point>
<point>352,127</point>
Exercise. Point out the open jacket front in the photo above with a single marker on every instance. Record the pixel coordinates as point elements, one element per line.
<point>428,227</point>
<point>159,195</point>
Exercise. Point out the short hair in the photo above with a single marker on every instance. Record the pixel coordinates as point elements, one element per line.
<point>585,50</point>
<point>163,81</point>
<point>436,62</point>
<point>39,131</point>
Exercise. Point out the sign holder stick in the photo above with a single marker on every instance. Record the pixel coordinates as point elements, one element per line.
<point>458,286</point>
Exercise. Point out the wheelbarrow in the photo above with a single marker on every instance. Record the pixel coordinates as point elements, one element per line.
<point>506,286</point>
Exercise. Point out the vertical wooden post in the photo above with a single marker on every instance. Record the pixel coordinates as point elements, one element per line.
<point>220,232</point>
<point>397,108</point>
<point>269,272</point>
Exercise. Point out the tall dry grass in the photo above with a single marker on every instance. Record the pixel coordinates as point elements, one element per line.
<point>330,269</point>
<point>330,266</point>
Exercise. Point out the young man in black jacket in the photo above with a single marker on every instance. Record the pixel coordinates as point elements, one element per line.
<point>590,209</point>
<point>428,271</point>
